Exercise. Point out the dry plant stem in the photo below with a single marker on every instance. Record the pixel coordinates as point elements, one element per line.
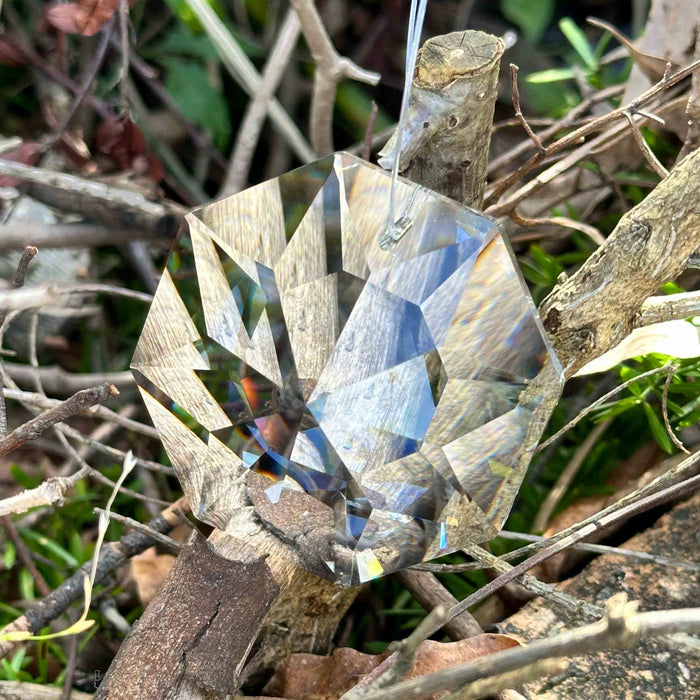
<point>650,157</point>
<point>369,131</point>
<point>112,556</point>
<point>595,309</point>
<point>668,308</point>
<point>395,668</point>
<point>244,72</point>
<point>111,205</point>
<point>13,236</point>
<point>168,542</point>
<point>578,135</point>
<point>586,411</point>
<point>488,687</point>
<point>426,588</point>
<point>664,412</point>
<point>25,555</point>
<point>99,58</point>
<point>514,153</point>
<point>75,404</point>
<point>567,476</point>
<point>591,231</point>
<point>518,112</point>
<point>692,110</point>
<point>106,414</point>
<point>602,549</point>
<point>256,112</point>
<point>58,295</point>
<point>57,381</point>
<point>147,74</point>
<point>639,500</point>
<point>17,282</point>
<point>639,506</point>
<point>450,113</point>
<point>330,70</point>
<point>124,45</point>
<point>533,584</point>
<point>622,628</point>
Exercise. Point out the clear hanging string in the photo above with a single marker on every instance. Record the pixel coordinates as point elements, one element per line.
<point>415,28</point>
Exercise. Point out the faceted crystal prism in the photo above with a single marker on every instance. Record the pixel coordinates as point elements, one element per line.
<point>401,385</point>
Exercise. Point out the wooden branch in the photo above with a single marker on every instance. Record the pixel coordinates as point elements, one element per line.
<point>596,308</point>
<point>668,308</point>
<point>112,556</point>
<point>450,113</point>
<point>650,157</point>
<point>518,112</point>
<point>330,70</point>
<point>622,628</point>
<point>256,111</point>
<point>56,380</point>
<point>75,404</point>
<point>430,593</point>
<point>591,231</point>
<point>14,236</point>
<point>112,206</point>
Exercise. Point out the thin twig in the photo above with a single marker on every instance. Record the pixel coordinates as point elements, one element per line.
<point>533,584</point>
<point>75,404</point>
<point>518,112</point>
<point>591,407</point>
<point>576,137</point>
<point>166,541</point>
<point>90,76</point>
<point>622,628</point>
<point>125,51</point>
<point>78,235</point>
<point>55,295</point>
<point>25,555</point>
<point>557,492</point>
<point>258,107</point>
<point>605,549</point>
<point>330,70</point>
<point>244,72</point>
<point>369,131</point>
<point>664,411</point>
<point>654,162</point>
<point>57,381</point>
<point>112,556</point>
<point>591,231</point>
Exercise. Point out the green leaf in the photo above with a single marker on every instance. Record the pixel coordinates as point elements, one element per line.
<point>26,585</point>
<point>9,555</point>
<point>182,41</point>
<point>551,75</point>
<point>23,478</point>
<point>190,86</point>
<point>52,546</point>
<point>532,17</point>
<point>658,429</point>
<point>578,40</point>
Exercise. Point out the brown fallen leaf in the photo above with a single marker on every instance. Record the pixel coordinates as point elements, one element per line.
<point>86,17</point>
<point>121,140</point>
<point>10,54</point>
<point>149,570</point>
<point>313,677</point>
<point>27,154</point>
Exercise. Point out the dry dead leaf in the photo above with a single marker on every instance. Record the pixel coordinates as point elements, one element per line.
<point>312,677</point>
<point>149,570</point>
<point>84,17</point>
<point>27,154</point>
<point>122,140</point>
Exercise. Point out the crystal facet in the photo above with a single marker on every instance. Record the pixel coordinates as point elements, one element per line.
<point>399,384</point>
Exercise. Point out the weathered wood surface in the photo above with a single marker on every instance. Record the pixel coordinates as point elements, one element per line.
<point>445,145</point>
<point>596,308</point>
<point>197,632</point>
<point>654,668</point>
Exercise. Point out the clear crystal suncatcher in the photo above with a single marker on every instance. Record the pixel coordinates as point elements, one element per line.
<point>401,386</point>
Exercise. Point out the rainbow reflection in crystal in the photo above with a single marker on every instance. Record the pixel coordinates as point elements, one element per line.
<point>402,388</point>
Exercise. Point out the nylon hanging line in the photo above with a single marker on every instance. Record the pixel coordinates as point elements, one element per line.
<point>415,28</point>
